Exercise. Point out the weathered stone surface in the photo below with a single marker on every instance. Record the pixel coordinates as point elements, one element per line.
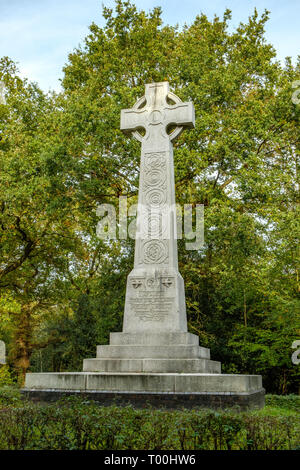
<point>218,382</point>
<point>2,352</point>
<point>146,382</point>
<point>156,339</point>
<point>52,380</point>
<point>167,352</point>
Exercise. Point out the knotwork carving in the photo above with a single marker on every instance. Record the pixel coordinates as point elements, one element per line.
<point>154,252</point>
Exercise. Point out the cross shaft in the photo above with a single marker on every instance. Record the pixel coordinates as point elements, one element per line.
<point>155,290</point>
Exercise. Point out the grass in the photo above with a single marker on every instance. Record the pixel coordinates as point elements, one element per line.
<point>274,411</point>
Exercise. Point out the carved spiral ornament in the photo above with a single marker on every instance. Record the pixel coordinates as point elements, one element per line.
<point>155,197</point>
<point>155,160</point>
<point>155,252</point>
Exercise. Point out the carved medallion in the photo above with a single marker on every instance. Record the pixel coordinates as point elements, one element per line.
<point>155,197</point>
<point>155,160</point>
<point>154,177</point>
<point>154,252</point>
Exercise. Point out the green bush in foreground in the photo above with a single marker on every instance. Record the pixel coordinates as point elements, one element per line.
<point>5,377</point>
<point>10,397</point>
<point>73,424</point>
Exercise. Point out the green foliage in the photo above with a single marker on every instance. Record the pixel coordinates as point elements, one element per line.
<point>76,424</point>
<point>82,333</point>
<point>288,402</point>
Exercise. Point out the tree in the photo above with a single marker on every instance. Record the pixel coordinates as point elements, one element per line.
<point>240,161</point>
<point>37,223</point>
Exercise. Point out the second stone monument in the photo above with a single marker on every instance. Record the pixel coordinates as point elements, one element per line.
<point>2,352</point>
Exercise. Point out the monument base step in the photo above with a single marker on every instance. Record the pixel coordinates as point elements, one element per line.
<point>151,365</point>
<point>144,382</point>
<point>148,338</point>
<point>216,400</point>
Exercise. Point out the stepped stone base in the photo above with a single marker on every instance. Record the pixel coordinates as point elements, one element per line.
<point>144,382</point>
<point>163,369</point>
<point>154,353</point>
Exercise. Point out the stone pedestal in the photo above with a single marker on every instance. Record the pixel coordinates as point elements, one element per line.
<point>2,352</point>
<point>154,359</point>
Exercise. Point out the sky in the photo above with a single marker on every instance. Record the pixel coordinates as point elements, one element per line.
<point>39,34</point>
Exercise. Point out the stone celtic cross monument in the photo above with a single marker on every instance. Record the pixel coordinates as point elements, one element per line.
<point>154,359</point>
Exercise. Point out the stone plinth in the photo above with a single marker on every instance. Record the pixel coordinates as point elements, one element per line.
<point>144,382</point>
<point>162,369</point>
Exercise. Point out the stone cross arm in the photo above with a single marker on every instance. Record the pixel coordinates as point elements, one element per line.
<point>155,111</point>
